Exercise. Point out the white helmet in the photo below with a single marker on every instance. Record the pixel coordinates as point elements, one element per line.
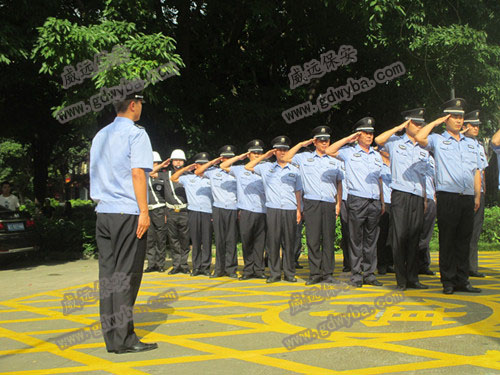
<point>156,157</point>
<point>178,154</point>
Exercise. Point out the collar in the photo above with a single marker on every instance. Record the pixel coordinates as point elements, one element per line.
<point>358,148</point>
<point>275,164</point>
<point>447,135</point>
<point>123,120</point>
<point>316,155</point>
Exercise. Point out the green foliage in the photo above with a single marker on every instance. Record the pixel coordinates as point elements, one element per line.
<point>491,225</point>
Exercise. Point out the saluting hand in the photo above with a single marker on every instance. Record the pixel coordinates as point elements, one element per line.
<point>243,156</point>
<point>143,224</point>
<point>404,125</point>
<point>191,167</point>
<point>353,137</point>
<point>307,143</point>
<point>165,164</point>
<point>440,120</point>
<point>270,153</point>
<point>216,160</point>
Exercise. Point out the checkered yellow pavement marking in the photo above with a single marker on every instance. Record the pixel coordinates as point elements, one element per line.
<point>226,326</point>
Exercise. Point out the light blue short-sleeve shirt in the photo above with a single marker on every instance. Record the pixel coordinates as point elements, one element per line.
<point>280,184</point>
<point>319,175</point>
<point>116,149</point>
<point>430,178</point>
<point>456,162</point>
<point>198,192</point>
<point>250,189</point>
<point>497,151</point>
<point>362,171</point>
<point>223,188</point>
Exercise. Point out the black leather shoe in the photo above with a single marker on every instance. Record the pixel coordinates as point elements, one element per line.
<point>448,290</point>
<point>219,274</point>
<point>196,273</point>
<point>373,282</point>
<point>427,272</point>
<point>390,269</point>
<point>273,280</point>
<point>139,347</point>
<point>204,273</point>
<point>314,280</point>
<point>400,287</point>
<point>173,271</point>
<point>260,277</point>
<point>382,271</point>
<point>476,274</point>
<point>245,277</point>
<point>468,289</point>
<point>161,269</point>
<point>290,279</point>
<point>184,270</point>
<point>356,284</point>
<point>298,266</point>
<point>150,269</point>
<point>417,285</point>
<point>233,276</point>
<point>346,269</point>
<point>329,280</point>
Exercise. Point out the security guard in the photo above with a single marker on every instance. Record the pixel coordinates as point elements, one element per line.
<point>199,198</point>
<point>120,158</point>
<point>321,180</point>
<point>385,260</point>
<point>424,256</point>
<point>177,216</point>
<point>225,213</point>
<point>365,200</point>
<point>458,185</point>
<point>157,232</point>
<point>495,145</point>
<point>409,164</point>
<point>252,214</point>
<point>283,187</point>
<point>471,124</point>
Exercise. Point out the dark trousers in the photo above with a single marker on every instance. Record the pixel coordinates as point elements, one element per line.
<point>424,256</point>
<point>120,251</point>
<point>200,231</point>
<point>407,218</point>
<point>226,257</point>
<point>384,249</point>
<point>178,238</point>
<point>455,215</point>
<point>281,228</point>
<point>344,228</point>
<point>157,238</point>
<point>253,240</point>
<point>364,215</point>
<point>298,240</point>
<point>320,220</point>
<point>476,233</point>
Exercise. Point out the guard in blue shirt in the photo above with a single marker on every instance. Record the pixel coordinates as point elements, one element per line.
<point>471,124</point>
<point>365,200</point>
<point>385,262</point>
<point>495,145</point>
<point>120,159</point>
<point>458,185</point>
<point>321,180</point>
<point>424,256</point>
<point>199,198</point>
<point>252,206</point>
<point>225,213</point>
<point>283,187</point>
<point>409,163</point>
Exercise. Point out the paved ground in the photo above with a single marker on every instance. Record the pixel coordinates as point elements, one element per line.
<point>225,326</point>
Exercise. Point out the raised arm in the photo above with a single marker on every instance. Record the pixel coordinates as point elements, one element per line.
<point>382,138</point>
<point>204,167</point>
<point>421,136</point>
<point>291,153</point>
<point>335,147</point>
<point>251,165</point>
<point>180,172</point>
<point>227,164</point>
<point>165,164</point>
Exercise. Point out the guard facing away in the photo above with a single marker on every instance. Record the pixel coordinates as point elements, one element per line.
<point>224,214</point>
<point>495,145</point>
<point>458,186</point>
<point>471,124</point>
<point>120,158</point>
<point>365,200</point>
<point>157,232</point>
<point>409,163</point>
<point>252,214</point>
<point>283,187</point>
<point>199,198</point>
<point>321,181</point>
